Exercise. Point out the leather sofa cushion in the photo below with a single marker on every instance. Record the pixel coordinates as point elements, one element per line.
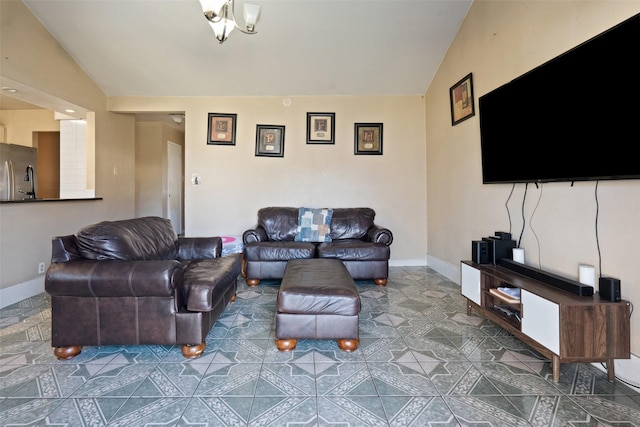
<point>207,280</point>
<point>279,251</point>
<point>354,250</point>
<point>280,223</point>
<point>318,286</point>
<point>351,223</point>
<point>148,238</point>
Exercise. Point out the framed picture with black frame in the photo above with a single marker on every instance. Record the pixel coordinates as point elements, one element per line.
<point>368,138</point>
<point>270,140</point>
<point>321,128</point>
<point>462,104</point>
<point>222,129</point>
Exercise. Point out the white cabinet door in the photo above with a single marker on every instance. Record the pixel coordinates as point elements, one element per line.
<point>541,320</point>
<point>470,282</point>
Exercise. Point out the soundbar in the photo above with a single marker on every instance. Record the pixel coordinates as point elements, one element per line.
<point>548,278</point>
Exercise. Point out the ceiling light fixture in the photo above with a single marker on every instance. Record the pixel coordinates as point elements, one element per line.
<point>222,17</point>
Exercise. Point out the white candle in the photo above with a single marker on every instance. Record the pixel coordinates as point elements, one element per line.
<point>587,275</point>
<point>518,255</point>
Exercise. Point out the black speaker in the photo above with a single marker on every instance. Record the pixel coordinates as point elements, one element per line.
<point>609,288</point>
<point>499,249</point>
<point>480,252</point>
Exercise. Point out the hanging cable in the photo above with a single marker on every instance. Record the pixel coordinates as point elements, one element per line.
<point>531,226</point>
<point>506,205</point>
<point>524,198</point>
<point>597,237</point>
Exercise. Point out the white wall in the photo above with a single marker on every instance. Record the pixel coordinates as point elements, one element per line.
<point>497,42</point>
<point>236,183</point>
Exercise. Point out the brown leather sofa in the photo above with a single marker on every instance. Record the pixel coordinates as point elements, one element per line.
<point>133,282</point>
<point>362,245</point>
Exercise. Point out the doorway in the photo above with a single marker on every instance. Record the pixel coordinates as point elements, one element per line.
<point>174,185</point>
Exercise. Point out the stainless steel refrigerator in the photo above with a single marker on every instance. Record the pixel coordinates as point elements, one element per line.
<point>17,172</point>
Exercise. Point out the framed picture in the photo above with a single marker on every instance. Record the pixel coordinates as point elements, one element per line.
<point>462,105</point>
<point>368,138</point>
<point>321,128</point>
<point>270,140</point>
<point>222,129</point>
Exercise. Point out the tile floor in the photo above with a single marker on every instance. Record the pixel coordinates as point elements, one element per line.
<point>421,362</point>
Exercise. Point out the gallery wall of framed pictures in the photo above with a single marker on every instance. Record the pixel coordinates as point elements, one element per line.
<point>270,139</point>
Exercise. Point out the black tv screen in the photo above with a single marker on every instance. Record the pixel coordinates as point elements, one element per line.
<point>574,118</point>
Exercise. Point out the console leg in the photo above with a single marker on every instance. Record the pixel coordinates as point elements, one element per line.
<point>191,351</point>
<point>469,306</point>
<point>348,345</point>
<point>555,367</point>
<point>611,370</point>
<point>286,345</point>
<point>380,282</point>
<point>253,282</point>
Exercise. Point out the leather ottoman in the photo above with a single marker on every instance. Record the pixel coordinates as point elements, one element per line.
<point>317,299</point>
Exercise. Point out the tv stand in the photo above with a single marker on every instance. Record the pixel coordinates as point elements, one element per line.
<point>558,324</point>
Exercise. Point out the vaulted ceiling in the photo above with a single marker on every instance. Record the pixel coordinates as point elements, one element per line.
<point>303,47</point>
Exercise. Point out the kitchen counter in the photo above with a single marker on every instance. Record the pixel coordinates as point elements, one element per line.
<point>47,200</point>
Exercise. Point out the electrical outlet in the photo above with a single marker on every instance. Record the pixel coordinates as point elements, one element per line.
<point>41,268</point>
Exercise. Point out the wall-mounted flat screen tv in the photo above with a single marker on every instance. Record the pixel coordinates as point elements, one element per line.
<point>573,118</point>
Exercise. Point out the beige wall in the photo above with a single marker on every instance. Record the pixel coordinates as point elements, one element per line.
<point>498,41</point>
<point>20,125</point>
<point>236,183</point>
<point>31,57</point>
<point>151,166</point>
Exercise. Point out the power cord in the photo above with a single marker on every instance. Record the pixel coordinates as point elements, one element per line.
<point>524,198</point>
<point>534,231</point>
<point>506,205</point>
<point>597,236</point>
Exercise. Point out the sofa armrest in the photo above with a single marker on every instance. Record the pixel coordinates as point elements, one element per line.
<point>377,234</point>
<point>114,278</point>
<point>190,248</point>
<point>257,234</point>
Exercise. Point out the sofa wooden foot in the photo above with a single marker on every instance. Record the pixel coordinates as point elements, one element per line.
<point>253,282</point>
<point>192,351</point>
<point>348,345</point>
<point>66,353</point>
<point>286,345</point>
<point>380,282</point>
<point>233,298</point>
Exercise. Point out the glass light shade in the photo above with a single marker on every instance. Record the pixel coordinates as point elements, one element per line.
<point>222,28</point>
<point>251,15</point>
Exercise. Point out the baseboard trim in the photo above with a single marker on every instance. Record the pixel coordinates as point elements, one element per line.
<point>407,263</point>
<point>17,293</point>
<point>451,272</point>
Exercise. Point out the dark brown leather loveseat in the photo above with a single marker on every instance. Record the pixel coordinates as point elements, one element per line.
<point>132,282</point>
<point>355,239</point>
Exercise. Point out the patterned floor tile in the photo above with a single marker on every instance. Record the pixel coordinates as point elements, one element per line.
<point>20,412</point>
<point>351,411</point>
<point>144,411</point>
<point>417,411</point>
<point>283,411</point>
<point>474,410</point>
<point>217,412</point>
<point>115,379</point>
<point>421,361</point>
<point>227,378</point>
